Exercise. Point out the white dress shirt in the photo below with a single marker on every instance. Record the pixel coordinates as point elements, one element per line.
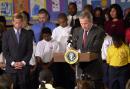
<point>15,30</point>
<point>107,42</point>
<point>70,18</point>
<point>61,35</point>
<point>45,50</point>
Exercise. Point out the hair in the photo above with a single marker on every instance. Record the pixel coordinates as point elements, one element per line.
<point>26,16</point>
<point>118,11</point>
<point>98,9</point>
<point>5,81</point>
<point>117,39</point>
<point>88,8</point>
<point>127,20</point>
<point>126,11</point>
<point>46,75</point>
<point>84,84</point>
<point>63,16</point>
<point>86,15</point>
<point>44,11</point>
<point>18,16</point>
<point>74,4</point>
<point>2,27</point>
<point>3,20</point>
<point>45,30</point>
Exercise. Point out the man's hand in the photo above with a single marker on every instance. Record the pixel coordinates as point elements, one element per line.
<point>18,65</point>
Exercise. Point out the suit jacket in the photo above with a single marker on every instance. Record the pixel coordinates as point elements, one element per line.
<point>94,42</point>
<point>14,51</point>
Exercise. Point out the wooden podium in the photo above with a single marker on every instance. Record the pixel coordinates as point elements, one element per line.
<point>83,57</point>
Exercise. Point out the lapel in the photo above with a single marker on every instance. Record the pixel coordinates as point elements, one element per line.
<point>80,38</point>
<point>89,36</point>
<point>21,38</point>
<point>14,36</point>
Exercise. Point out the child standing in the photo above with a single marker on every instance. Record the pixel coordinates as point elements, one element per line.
<point>44,51</point>
<point>118,59</point>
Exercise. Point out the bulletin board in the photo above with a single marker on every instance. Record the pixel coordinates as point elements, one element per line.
<point>54,7</point>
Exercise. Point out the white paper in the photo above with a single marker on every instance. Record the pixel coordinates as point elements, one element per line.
<point>113,1</point>
<point>89,2</point>
<point>55,5</point>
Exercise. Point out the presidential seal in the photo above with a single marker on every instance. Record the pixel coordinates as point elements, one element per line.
<point>71,56</point>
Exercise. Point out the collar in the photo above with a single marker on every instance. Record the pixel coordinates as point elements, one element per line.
<point>64,27</point>
<point>17,30</point>
<point>74,17</point>
<point>89,29</point>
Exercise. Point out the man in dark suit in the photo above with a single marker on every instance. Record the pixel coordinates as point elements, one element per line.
<point>17,50</point>
<point>89,38</point>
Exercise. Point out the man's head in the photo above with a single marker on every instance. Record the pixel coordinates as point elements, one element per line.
<point>86,20</point>
<point>43,16</point>
<point>17,21</point>
<point>46,34</point>
<point>72,8</point>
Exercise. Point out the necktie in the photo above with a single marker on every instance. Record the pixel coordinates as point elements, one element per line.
<point>17,35</point>
<point>84,38</point>
<point>72,22</point>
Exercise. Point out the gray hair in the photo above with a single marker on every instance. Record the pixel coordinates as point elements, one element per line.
<point>86,14</point>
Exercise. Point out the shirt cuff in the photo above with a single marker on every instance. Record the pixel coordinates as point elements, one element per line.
<point>24,63</point>
<point>12,63</point>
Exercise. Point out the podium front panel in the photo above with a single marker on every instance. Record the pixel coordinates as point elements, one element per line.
<point>58,57</point>
<point>83,57</point>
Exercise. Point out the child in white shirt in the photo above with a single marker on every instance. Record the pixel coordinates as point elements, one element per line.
<point>45,48</point>
<point>62,32</point>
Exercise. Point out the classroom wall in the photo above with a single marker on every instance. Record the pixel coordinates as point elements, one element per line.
<point>8,7</point>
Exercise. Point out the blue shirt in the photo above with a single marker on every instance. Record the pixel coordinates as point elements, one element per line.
<point>38,27</point>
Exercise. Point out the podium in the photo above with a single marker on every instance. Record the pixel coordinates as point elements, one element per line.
<point>83,57</point>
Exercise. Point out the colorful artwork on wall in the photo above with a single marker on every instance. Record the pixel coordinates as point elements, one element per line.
<point>6,8</point>
<point>21,5</point>
<point>35,6</point>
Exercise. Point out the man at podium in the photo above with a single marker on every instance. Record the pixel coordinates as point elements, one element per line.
<point>89,38</point>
